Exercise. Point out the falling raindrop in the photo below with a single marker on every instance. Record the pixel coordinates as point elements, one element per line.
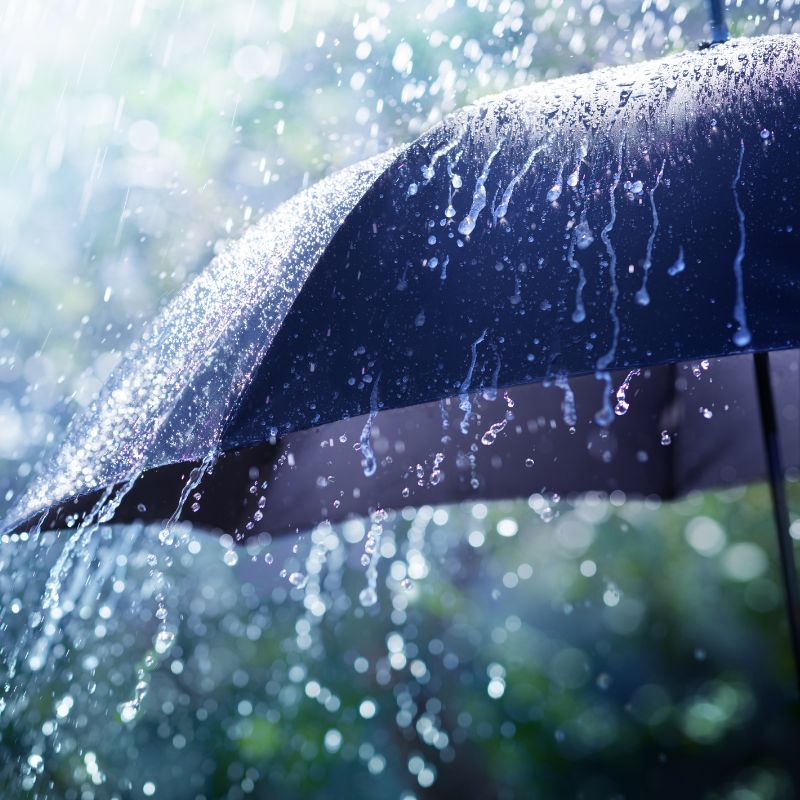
<point>568,409</point>
<point>623,404</point>
<point>490,435</point>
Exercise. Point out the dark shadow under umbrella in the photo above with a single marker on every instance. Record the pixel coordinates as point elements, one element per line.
<point>520,301</point>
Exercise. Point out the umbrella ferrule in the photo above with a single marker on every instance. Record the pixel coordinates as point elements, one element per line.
<point>719,29</point>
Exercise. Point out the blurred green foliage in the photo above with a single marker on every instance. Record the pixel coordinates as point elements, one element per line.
<point>620,649</point>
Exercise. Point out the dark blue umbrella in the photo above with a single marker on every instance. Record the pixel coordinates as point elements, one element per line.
<point>553,290</point>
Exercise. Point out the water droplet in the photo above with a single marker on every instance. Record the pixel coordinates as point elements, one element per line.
<point>666,439</point>
<point>163,641</point>
<point>230,557</point>
<point>128,711</point>
<point>623,404</point>
<point>679,265</point>
<point>368,597</point>
<point>583,235</point>
<point>572,180</point>
<point>298,579</point>
<point>490,436</point>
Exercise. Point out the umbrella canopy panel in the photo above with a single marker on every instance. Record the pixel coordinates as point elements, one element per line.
<point>632,217</point>
<point>643,216</point>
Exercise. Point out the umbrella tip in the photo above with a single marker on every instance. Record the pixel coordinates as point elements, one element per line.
<point>716,23</point>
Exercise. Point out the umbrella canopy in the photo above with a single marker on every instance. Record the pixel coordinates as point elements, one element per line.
<point>638,217</point>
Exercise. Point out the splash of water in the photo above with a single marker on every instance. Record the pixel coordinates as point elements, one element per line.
<point>166,376</point>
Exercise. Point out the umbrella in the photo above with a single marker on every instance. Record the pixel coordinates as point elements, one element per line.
<point>554,290</point>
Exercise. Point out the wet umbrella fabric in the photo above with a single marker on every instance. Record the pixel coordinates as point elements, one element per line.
<point>634,217</point>
<point>547,242</point>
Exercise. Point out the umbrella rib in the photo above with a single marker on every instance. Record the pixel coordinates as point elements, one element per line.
<point>780,507</point>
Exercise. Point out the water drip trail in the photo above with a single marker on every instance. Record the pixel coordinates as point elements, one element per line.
<point>429,170</point>
<point>103,511</point>
<point>568,409</point>
<point>491,392</point>
<point>502,208</point>
<point>579,314</point>
<point>443,413</point>
<point>372,555</point>
<point>464,402</point>
<point>195,477</point>
<point>467,225</point>
<point>73,562</point>
<point>490,436</point>
<point>164,638</point>
<point>554,192</point>
<point>742,336</point>
<point>642,296</point>
<point>605,415</point>
<point>370,463</point>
